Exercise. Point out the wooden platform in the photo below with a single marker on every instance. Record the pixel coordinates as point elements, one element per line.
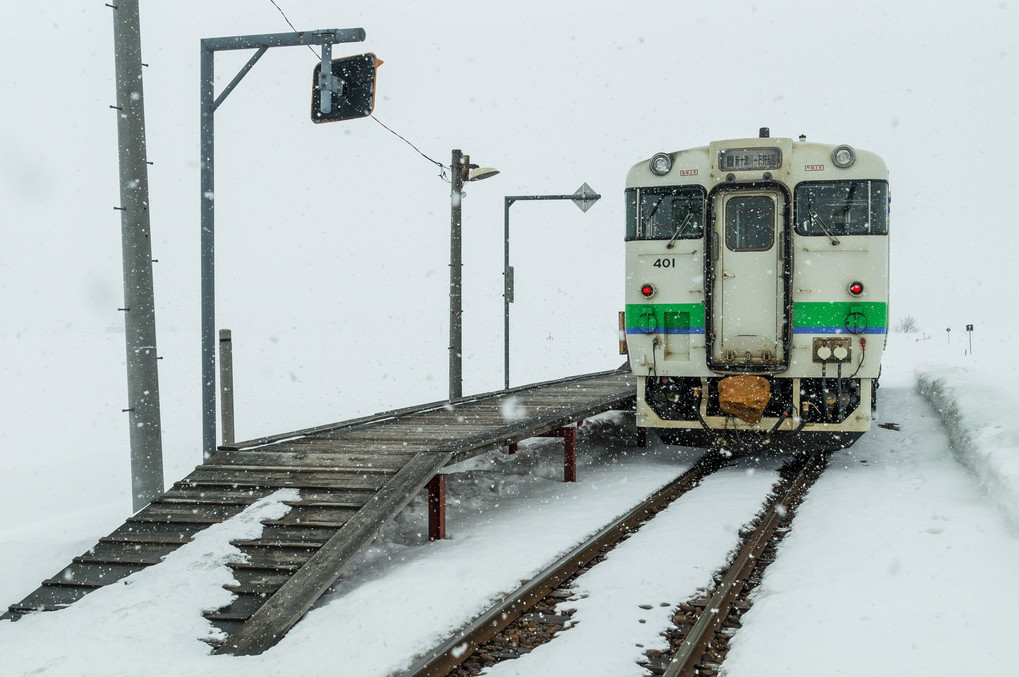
<point>352,477</point>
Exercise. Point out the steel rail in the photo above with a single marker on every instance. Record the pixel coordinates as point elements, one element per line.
<point>457,648</point>
<point>684,664</point>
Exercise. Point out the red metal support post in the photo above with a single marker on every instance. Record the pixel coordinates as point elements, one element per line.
<point>569,435</point>
<point>570,455</point>
<point>437,508</point>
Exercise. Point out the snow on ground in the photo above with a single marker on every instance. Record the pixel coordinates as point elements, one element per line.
<point>886,571</point>
<point>897,564</point>
<point>902,558</point>
<point>127,626</point>
<point>976,409</point>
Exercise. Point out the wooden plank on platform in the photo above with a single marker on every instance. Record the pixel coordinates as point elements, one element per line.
<point>309,459</point>
<point>344,445</point>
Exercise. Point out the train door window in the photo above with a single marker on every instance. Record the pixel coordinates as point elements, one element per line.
<point>842,208</point>
<point>665,213</point>
<point>749,223</point>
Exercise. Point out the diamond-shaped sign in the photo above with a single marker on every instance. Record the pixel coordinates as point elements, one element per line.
<point>584,197</point>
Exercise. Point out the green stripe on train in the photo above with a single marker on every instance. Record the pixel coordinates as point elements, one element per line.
<point>831,314</point>
<point>834,314</point>
<point>670,315</point>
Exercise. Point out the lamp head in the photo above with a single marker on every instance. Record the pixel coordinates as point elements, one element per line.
<point>479,173</point>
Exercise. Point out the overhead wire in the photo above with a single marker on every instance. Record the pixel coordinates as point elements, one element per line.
<point>290,23</point>
<point>442,167</point>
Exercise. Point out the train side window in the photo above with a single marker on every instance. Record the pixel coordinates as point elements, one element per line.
<point>664,213</point>
<point>842,207</point>
<point>749,223</point>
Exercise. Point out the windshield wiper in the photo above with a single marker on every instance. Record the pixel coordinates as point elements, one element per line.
<point>679,231</point>
<point>817,219</point>
<point>651,212</point>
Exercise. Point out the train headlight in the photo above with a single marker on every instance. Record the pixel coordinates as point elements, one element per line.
<point>647,290</point>
<point>856,288</point>
<point>843,157</point>
<point>661,164</point>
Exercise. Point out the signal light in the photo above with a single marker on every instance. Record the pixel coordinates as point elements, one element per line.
<point>856,288</point>
<point>647,290</point>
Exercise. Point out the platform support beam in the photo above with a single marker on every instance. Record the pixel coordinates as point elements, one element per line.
<point>437,508</point>
<point>570,455</point>
<point>569,435</point>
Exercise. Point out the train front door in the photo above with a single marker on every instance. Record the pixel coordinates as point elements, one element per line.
<point>748,281</point>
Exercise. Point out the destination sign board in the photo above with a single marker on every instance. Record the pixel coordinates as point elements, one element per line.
<point>749,159</point>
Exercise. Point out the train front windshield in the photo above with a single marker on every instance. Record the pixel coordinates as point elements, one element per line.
<point>842,208</point>
<point>665,213</point>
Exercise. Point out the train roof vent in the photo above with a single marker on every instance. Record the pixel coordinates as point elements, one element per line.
<point>765,132</point>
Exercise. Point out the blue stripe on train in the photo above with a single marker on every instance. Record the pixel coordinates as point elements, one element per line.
<point>666,330</point>
<point>838,330</point>
<point>796,330</point>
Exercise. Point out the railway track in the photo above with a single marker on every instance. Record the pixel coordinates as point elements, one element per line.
<point>544,590</point>
<point>700,636</point>
<point>529,616</point>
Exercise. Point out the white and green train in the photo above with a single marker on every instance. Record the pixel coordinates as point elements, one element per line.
<point>757,291</point>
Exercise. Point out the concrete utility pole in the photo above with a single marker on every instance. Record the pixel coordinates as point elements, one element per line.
<point>139,298</point>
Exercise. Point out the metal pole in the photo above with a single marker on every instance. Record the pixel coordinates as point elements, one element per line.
<point>208,256</point>
<point>209,104</point>
<point>584,198</point>
<point>455,271</point>
<point>139,296</point>
<point>507,290</point>
<point>226,385</point>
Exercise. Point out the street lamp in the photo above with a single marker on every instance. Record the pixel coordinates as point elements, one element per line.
<point>583,198</point>
<point>461,170</point>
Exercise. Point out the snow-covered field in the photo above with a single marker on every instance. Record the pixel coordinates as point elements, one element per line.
<point>900,562</point>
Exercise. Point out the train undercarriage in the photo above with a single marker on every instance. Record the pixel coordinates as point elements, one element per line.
<point>798,414</point>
